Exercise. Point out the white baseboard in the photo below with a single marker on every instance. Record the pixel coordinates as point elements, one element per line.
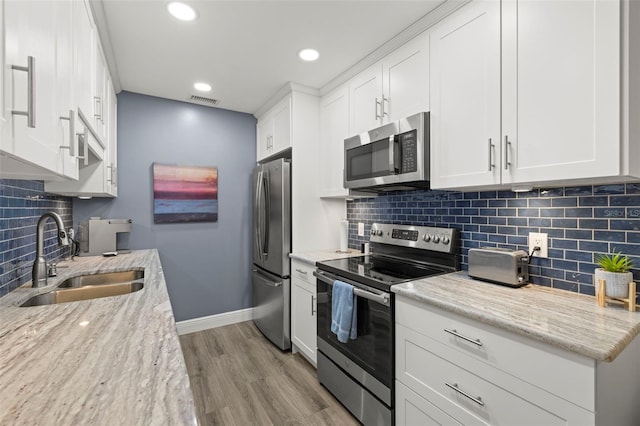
<point>213,321</point>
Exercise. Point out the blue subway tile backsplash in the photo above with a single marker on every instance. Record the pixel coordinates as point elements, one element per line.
<point>581,222</point>
<point>22,202</point>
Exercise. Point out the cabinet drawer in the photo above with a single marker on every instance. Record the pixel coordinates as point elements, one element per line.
<point>303,271</point>
<point>412,409</point>
<point>562,373</point>
<point>460,385</point>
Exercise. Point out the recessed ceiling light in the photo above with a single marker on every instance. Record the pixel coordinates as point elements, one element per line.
<point>203,87</point>
<point>182,11</point>
<point>308,55</point>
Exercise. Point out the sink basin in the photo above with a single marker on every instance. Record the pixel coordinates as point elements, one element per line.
<point>102,279</point>
<point>93,286</point>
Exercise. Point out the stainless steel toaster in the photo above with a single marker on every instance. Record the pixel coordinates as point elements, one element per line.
<point>501,266</point>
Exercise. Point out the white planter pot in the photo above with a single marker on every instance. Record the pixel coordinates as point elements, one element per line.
<point>616,283</point>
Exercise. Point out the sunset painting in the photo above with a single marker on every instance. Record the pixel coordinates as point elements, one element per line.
<point>184,194</point>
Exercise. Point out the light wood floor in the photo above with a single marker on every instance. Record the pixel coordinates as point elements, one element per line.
<point>239,378</point>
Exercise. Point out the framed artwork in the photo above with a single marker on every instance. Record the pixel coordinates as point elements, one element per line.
<point>184,194</point>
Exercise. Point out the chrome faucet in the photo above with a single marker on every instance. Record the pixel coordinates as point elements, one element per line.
<point>39,271</point>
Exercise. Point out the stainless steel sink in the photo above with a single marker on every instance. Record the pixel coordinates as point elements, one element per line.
<point>93,286</point>
<point>102,279</point>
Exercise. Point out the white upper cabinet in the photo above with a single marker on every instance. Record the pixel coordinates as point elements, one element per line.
<point>365,91</point>
<point>334,129</point>
<point>561,89</point>
<point>84,53</point>
<point>525,92</point>
<point>274,130</point>
<point>29,148</point>
<point>393,88</point>
<point>465,97</point>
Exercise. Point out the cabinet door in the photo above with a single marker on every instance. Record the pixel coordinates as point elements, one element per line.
<point>334,129</point>
<point>282,126</point>
<point>264,135</point>
<point>303,323</point>
<point>303,309</point>
<point>30,31</point>
<point>465,97</point>
<point>112,138</point>
<point>405,74</point>
<point>365,94</point>
<point>100,101</point>
<point>561,89</point>
<point>65,115</point>
<point>83,58</point>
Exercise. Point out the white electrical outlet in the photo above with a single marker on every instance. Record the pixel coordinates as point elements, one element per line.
<point>541,240</point>
<point>360,229</point>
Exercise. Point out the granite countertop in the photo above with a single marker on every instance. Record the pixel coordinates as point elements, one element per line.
<point>568,320</point>
<point>311,257</point>
<point>115,360</point>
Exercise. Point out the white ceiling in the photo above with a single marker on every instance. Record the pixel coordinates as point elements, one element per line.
<point>246,50</point>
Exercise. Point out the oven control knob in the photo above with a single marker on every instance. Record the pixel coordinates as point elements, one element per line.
<point>379,233</point>
<point>426,238</point>
<point>445,240</point>
<point>436,239</point>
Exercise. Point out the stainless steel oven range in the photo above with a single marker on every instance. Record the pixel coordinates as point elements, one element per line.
<point>360,373</point>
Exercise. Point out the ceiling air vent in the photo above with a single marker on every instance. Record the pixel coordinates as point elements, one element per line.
<point>203,100</point>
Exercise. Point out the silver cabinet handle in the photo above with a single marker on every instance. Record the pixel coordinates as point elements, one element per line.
<point>477,399</point>
<point>72,133</point>
<point>313,305</point>
<point>82,137</point>
<point>507,145</point>
<point>491,163</point>
<point>301,271</point>
<point>110,178</point>
<point>382,105</point>
<point>30,69</point>
<point>98,102</point>
<point>114,176</point>
<point>468,339</point>
<point>378,103</point>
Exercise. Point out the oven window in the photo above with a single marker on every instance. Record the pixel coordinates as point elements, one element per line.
<point>367,161</point>
<point>372,350</point>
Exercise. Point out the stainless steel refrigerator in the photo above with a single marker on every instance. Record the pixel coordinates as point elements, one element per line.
<point>271,247</point>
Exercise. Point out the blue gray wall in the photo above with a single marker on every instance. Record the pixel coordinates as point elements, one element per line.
<point>206,265</point>
<point>22,202</point>
<point>581,223</point>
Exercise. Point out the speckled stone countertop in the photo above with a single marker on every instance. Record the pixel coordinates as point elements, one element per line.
<point>115,360</point>
<point>311,257</point>
<point>568,320</point>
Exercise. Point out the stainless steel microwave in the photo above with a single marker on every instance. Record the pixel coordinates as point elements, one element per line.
<point>391,157</point>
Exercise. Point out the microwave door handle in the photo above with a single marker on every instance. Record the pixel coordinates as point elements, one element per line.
<point>394,156</point>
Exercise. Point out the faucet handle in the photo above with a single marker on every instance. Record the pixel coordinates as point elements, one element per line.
<point>52,270</point>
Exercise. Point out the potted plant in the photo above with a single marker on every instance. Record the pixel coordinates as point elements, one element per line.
<point>615,269</point>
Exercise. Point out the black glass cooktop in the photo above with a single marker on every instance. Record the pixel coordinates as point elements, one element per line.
<point>378,271</point>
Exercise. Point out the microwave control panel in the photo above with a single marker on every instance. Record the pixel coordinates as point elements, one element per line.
<point>409,149</point>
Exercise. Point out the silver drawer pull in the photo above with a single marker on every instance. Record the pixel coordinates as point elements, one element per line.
<point>301,271</point>
<point>468,339</point>
<point>455,387</point>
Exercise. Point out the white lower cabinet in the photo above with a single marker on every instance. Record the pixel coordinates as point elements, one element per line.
<point>453,370</point>
<point>303,310</point>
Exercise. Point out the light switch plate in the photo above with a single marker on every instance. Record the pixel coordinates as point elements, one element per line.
<point>360,229</point>
<point>540,240</point>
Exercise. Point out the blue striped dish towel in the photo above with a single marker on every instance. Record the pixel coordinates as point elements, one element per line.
<point>344,312</point>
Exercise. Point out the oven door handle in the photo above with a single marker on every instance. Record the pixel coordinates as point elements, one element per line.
<point>382,298</point>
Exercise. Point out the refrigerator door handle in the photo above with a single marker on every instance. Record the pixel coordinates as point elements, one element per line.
<point>257,210</point>
<point>267,215</point>
<point>265,280</point>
